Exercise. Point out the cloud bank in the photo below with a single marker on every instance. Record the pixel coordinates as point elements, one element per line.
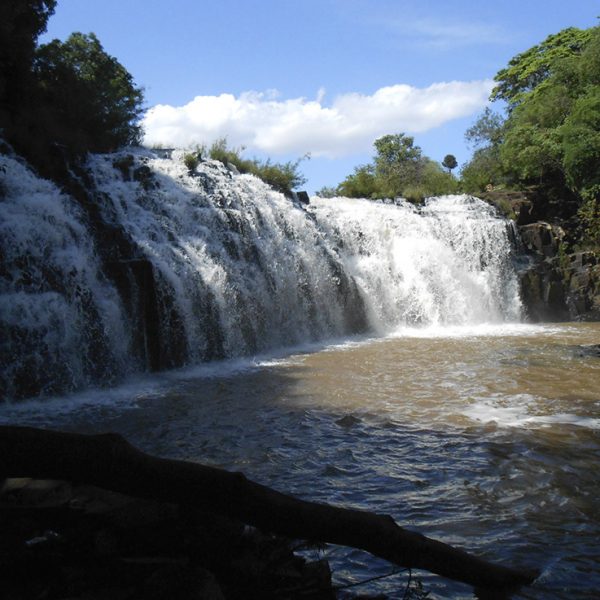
<point>349,125</point>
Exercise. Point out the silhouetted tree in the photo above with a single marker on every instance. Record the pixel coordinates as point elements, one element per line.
<point>91,100</point>
<point>449,162</point>
<point>21,22</point>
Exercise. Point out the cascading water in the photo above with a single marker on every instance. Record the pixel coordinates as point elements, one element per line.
<point>177,269</point>
<point>61,323</point>
<point>446,264</point>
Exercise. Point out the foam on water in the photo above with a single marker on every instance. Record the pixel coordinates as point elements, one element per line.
<point>447,264</point>
<point>523,411</point>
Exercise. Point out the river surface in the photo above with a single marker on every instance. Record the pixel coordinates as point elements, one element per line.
<point>485,437</point>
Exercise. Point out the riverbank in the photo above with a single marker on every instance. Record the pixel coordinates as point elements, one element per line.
<point>62,540</point>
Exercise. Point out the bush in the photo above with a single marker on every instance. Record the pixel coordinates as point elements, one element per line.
<point>284,177</point>
<point>191,160</point>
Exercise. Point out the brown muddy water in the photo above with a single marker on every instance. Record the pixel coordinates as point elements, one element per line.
<point>487,438</point>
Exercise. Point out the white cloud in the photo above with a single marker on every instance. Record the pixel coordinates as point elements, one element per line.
<point>264,122</point>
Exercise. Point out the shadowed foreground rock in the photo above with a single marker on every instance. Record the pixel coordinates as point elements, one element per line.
<point>109,462</point>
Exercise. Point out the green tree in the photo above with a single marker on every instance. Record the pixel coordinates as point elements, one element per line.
<point>529,70</point>
<point>487,130</point>
<point>398,169</point>
<point>485,167</point>
<point>550,134</point>
<point>580,137</point>
<point>360,184</point>
<point>450,162</point>
<point>92,103</point>
<point>398,162</point>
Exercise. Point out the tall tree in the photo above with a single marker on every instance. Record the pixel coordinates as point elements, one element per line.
<point>21,22</point>
<point>449,162</point>
<point>398,162</point>
<point>527,71</point>
<point>92,100</point>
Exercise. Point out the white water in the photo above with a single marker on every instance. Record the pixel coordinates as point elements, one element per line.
<point>236,268</point>
<point>61,322</point>
<point>448,264</point>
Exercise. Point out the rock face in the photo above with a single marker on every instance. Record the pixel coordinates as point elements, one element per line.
<point>558,287</point>
<point>554,286</point>
<point>542,238</point>
<point>582,282</point>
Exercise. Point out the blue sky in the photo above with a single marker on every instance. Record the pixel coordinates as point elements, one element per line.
<point>288,77</point>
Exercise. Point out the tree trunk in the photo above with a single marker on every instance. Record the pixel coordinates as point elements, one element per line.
<point>110,462</point>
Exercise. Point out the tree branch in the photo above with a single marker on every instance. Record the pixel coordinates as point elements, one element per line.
<point>110,462</point>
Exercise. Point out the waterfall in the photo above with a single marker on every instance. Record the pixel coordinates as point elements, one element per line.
<point>157,268</point>
<point>61,322</point>
<point>447,263</point>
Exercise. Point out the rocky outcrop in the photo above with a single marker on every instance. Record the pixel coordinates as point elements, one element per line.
<point>543,292</point>
<point>558,286</point>
<point>542,238</point>
<point>515,205</point>
<point>582,283</point>
<point>555,285</point>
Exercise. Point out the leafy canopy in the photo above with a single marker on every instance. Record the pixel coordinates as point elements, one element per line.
<point>90,96</point>
<point>399,169</point>
<point>450,162</point>
<point>529,70</point>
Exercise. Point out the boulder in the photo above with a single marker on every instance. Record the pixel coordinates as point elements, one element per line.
<point>542,238</point>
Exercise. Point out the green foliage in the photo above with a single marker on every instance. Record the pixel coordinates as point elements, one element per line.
<point>487,130</point>
<point>550,139</point>
<point>21,22</point>
<point>529,71</point>
<point>221,151</point>
<point>62,99</point>
<point>552,132</point>
<point>284,177</point>
<point>580,137</point>
<point>450,162</point>
<point>399,169</point>
<point>327,192</point>
<point>191,160</point>
<point>483,170</point>
<point>398,163</point>
<point>589,217</point>
<point>436,181</point>
<point>485,167</point>
<point>360,184</point>
<point>90,98</point>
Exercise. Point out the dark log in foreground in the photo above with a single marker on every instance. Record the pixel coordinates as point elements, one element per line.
<point>110,462</point>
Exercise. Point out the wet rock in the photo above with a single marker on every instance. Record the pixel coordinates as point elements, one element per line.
<point>542,238</point>
<point>592,350</point>
<point>145,177</point>
<point>303,197</point>
<point>543,292</point>
<point>582,279</point>
<point>348,421</point>
<point>513,205</point>
<point>124,164</point>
